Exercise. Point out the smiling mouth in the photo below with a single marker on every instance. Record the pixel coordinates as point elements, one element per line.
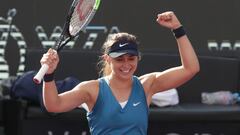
<point>125,71</point>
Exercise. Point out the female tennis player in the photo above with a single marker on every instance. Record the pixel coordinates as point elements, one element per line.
<point>118,102</point>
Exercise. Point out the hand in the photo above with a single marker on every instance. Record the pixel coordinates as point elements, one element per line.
<point>51,59</point>
<point>168,19</point>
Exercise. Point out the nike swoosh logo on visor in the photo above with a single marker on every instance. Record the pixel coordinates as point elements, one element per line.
<point>122,45</point>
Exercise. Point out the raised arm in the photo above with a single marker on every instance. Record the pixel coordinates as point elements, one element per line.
<point>66,101</point>
<point>176,76</point>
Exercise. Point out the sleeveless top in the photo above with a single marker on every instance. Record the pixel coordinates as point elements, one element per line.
<point>109,118</point>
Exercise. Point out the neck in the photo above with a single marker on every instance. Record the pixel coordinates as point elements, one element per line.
<point>117,82</point>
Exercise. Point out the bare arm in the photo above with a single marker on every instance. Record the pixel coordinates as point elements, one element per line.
<point>69,100</point>
<point>176,76</point>
<point>66,101</point>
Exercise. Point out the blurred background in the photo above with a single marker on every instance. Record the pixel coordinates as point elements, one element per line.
<point>212,26</point>
<point>29,27</point>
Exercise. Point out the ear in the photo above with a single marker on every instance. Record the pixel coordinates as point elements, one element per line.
<point>106,58</point>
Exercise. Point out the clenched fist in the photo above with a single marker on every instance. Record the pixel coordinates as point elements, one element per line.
<point>168,19</point>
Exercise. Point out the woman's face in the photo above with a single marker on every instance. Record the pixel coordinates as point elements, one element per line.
<point>124,66</point>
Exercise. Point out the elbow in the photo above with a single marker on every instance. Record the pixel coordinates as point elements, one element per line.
<point>198,68</point>
<point>51,108</point>
<point>194,70</point>
<point>194,67</point>
<point>191,71</point>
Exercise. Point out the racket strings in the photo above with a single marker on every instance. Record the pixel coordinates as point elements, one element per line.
<point>80,15</point>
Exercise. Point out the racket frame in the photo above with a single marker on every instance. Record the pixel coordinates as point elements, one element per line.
<point>65,36</point>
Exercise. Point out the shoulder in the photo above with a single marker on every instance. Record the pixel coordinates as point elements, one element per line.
<point>90,89</point>
<point>90,85</point>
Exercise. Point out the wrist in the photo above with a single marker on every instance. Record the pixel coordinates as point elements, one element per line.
<point>179,32</point>
<point>48,77</point>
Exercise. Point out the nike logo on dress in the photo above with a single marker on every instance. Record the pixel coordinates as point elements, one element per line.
<point>122,45</point>
<point>136,104</point>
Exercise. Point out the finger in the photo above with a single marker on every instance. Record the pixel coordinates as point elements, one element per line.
<point>164,17</point>
<point>169,16</point>
<point>54,57</point>
<point>161,17</point>
<point>49,50</point>
<point>47,58</point>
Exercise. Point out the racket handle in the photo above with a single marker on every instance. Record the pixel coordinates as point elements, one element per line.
<point>39,76</point>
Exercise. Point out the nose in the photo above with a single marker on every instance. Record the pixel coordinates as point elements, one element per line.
<point>126,63</point>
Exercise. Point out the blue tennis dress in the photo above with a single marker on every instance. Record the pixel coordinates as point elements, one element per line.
<point>109,118</point>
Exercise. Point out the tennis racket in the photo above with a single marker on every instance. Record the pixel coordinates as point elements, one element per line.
<point>79,16</point>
